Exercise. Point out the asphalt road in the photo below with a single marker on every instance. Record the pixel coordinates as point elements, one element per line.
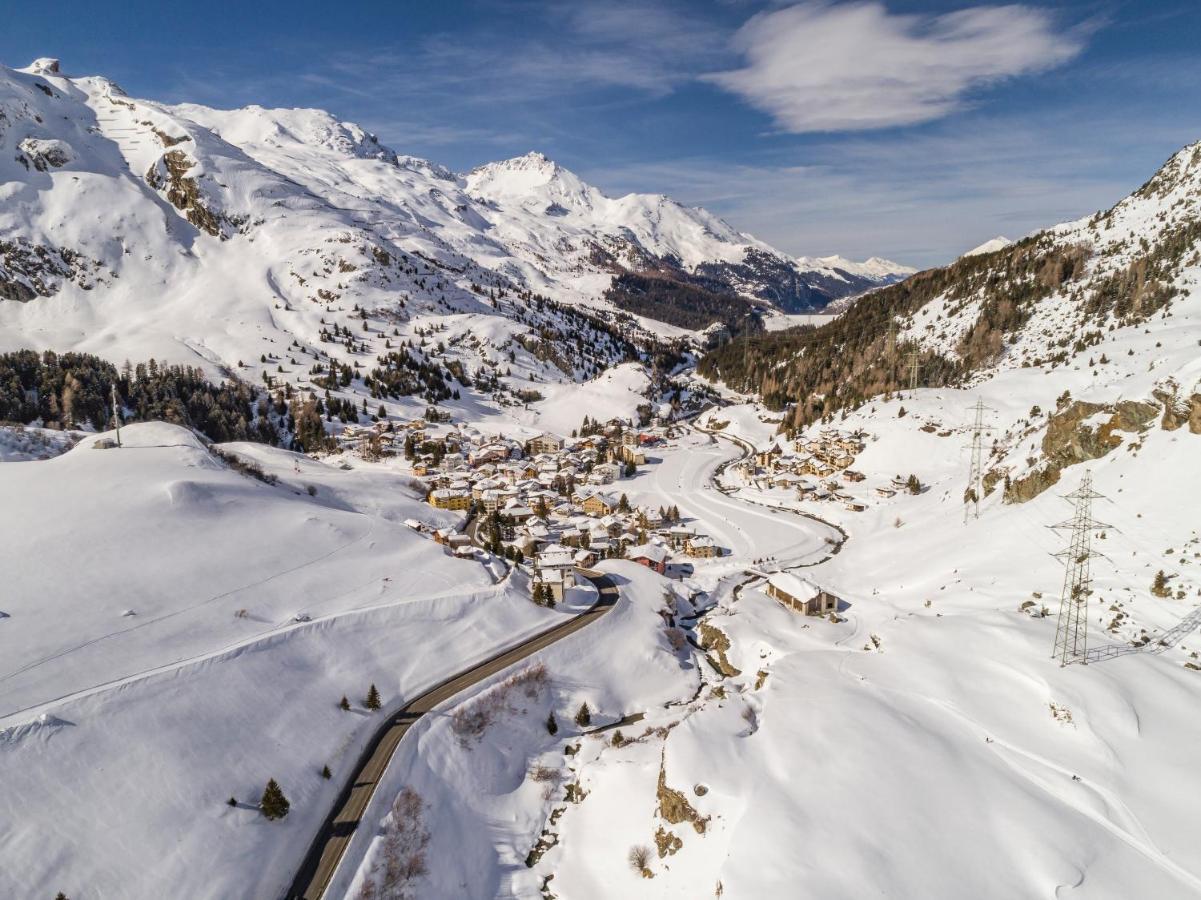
<point>327,849</point>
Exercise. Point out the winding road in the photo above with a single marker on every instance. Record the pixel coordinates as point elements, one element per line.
<point>337,831</point>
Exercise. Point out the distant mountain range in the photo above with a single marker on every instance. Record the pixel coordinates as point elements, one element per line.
<point>139,228</point>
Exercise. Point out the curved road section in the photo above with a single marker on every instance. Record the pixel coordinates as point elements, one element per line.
<point>327,849</point>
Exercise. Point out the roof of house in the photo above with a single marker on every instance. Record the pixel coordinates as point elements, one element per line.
<point>652,552</point>
<point>793,585</point>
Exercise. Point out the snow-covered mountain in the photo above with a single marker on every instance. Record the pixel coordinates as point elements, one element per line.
<point>998,243</point>
<point>135,228</point>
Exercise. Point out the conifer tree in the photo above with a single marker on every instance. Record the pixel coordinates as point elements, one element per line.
<point>552,727</point>
<point>274,804</point>
<point>326,773</point>
<point>344,704</point>
<point>583,717</point>
<point>372,702</point>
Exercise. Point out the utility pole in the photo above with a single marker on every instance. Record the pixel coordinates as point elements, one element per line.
<point>1071,632</point>
<point>913,370</point>
<point>116,413</point>
<point>975,480</point>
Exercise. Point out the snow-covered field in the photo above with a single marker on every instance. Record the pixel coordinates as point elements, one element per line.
<point>139,695</point>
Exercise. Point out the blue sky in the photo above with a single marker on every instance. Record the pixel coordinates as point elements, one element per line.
<point>911,130</point>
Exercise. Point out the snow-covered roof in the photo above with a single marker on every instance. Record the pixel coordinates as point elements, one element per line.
<point>653,552</point>
<point>793,585</point>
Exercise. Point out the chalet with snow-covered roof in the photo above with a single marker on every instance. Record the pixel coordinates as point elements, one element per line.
<point>798,594</point>
<point>653,556</point>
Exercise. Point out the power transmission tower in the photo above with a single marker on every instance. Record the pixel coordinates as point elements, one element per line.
<point>116,414</point>
<point>975,480</point>
<point>1071,633</point>
<point>913,370</point>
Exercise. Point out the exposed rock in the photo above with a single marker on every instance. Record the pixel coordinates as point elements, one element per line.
<point>29,270</point>
<point>45,65</point>
<point>1069,440</point>
<point>667,842</point>
<point>1179,411</point>
<point>674,806</point>
<point>45,154</point>
<point>715,640</point>
<point>169,174</point>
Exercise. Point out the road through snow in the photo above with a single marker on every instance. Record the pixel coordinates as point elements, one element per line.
<point>683,477</point>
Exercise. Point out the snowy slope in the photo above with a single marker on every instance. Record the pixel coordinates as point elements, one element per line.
<point>152,666</point>
<point>997,243</point>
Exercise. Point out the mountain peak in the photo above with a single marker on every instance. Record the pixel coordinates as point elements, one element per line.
<point>998,243</point>
<point>44,65</point>
<point>534,175</point>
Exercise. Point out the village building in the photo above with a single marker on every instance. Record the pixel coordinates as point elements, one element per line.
<point>554,568</point>
<point>798,594</point>
<point>446,498</point>
<point>546,443</point>
<point>653,556</point>
<point>701,547</point>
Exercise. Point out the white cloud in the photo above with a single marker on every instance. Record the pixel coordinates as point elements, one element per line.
<point>823,67</point>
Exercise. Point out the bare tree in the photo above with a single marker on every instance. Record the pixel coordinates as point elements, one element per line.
<point>402,852</point>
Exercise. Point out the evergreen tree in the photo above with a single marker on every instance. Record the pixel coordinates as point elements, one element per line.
<point>552,727</point>
<point>232,801</point>
<point>372,702</point>
<point>344,704</point>
<point>623,505</point>
<point>274,804</point>
<point>1159,587</point>
<point>913,485</point>
<point>326,773</point>
<point>583,718</point>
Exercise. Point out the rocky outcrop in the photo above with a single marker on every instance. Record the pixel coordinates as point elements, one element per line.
<point>1071,438</point>
<point>29,270</point>
<point>44,154</point>
<point>1180,411</point>
<point>716,643</point>
<point>169,175</point>
<point>674,807</point>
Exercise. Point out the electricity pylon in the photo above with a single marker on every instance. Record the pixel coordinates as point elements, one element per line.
<point>975,480</point>
<point>913,370</point>
<point>1071,633</point>
<point>116,414</point>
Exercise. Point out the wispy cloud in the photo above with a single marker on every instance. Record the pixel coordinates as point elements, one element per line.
<point>818,66</point>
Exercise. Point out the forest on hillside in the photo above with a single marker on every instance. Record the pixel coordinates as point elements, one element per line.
<point>681,304</point>
<point>818,372</point>
<point>74,390</point>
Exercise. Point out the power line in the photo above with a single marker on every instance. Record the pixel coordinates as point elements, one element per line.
<point>1071,631</point>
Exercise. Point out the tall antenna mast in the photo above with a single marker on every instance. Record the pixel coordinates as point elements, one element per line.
<point>1071,632</point>
<point>975,481</point>
<point>116,413</point>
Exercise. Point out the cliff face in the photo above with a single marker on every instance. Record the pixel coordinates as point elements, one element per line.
<point>1074,435</point>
